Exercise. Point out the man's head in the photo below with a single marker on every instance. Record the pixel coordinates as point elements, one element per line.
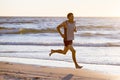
<point>70,16</point>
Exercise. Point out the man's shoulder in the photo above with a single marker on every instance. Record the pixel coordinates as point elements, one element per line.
<point>64,22</point>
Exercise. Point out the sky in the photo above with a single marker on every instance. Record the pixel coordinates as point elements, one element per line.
<point>80,8</point>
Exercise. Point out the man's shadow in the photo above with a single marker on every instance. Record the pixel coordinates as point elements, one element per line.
<point>68,77</point>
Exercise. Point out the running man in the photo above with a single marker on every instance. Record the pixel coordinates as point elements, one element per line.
<point>68,37</point>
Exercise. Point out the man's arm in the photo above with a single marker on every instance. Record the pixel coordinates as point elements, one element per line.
<point>75,29</point>
<point>58,29</point>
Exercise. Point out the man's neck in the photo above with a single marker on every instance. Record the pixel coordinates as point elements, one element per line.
<point>71,21</point>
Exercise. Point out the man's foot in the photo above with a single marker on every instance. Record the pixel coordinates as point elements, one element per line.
<point>78,67</point>
<point>51,52</point>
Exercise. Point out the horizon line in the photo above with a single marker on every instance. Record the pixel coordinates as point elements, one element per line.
<point>65,16</point>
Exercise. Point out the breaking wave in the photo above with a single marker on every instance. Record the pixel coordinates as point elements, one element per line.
<point>7,30</point>
<point>4,30</point>
<point>60,44</point>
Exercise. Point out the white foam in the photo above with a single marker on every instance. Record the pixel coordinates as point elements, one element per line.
<point>40,62</point>
<point>108,69</point>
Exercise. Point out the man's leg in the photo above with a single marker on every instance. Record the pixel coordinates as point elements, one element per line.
<point>59,51</point>
<point>74,56</point>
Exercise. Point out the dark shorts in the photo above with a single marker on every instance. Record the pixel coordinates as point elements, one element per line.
<point>66,43</point>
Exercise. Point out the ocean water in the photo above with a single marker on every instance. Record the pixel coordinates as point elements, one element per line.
<point>97,41</point>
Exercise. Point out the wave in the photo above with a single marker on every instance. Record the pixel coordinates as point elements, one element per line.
<point>89,34</point>
<point>60,44</point>
<point>7,30</point>
<point>4,30</point>
<point>96,28</point>
<point>95,34</point>
<point>21,22</point>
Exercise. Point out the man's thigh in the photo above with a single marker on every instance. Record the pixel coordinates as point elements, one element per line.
<point>71,48</point>
<point>65,49</point>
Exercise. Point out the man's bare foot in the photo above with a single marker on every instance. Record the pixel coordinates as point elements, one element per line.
<point>78,67</point>
<point>51,52</point>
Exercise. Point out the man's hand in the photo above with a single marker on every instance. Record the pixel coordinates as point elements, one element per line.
<point>75,29</point>
<point>63,36</point>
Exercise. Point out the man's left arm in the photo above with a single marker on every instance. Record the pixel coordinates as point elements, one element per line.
<point>75,29</point>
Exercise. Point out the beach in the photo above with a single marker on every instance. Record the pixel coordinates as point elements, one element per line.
<point>32,69</point>
<point>25,44</point>
<point>15,71</point>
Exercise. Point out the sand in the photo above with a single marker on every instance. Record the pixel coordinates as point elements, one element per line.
<point>15,71</point>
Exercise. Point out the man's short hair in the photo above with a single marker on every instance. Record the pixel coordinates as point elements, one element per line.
<point>69,14</point>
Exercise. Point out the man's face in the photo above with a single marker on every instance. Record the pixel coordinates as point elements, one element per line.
<point>71,17</point>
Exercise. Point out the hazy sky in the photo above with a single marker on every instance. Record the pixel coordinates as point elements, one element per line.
<point>86,8</point>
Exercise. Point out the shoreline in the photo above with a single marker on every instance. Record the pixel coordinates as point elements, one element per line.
<point>105,69</point>
<point>25,72</point>
<point>48,70</point>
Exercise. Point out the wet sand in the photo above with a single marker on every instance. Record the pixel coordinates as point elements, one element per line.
<point>15,71</point>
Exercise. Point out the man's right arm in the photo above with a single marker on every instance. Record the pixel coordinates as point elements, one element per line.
<point>58,29</point>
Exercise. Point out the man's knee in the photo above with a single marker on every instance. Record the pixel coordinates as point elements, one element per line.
<point>74,51</point>
<point>64,52</point>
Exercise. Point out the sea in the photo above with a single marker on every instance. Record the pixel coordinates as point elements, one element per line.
<point>97,41</point>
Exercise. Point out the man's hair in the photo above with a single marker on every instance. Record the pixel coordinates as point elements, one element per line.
<point>69,14</point>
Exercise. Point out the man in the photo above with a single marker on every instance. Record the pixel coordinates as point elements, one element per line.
<point>68,37</point>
